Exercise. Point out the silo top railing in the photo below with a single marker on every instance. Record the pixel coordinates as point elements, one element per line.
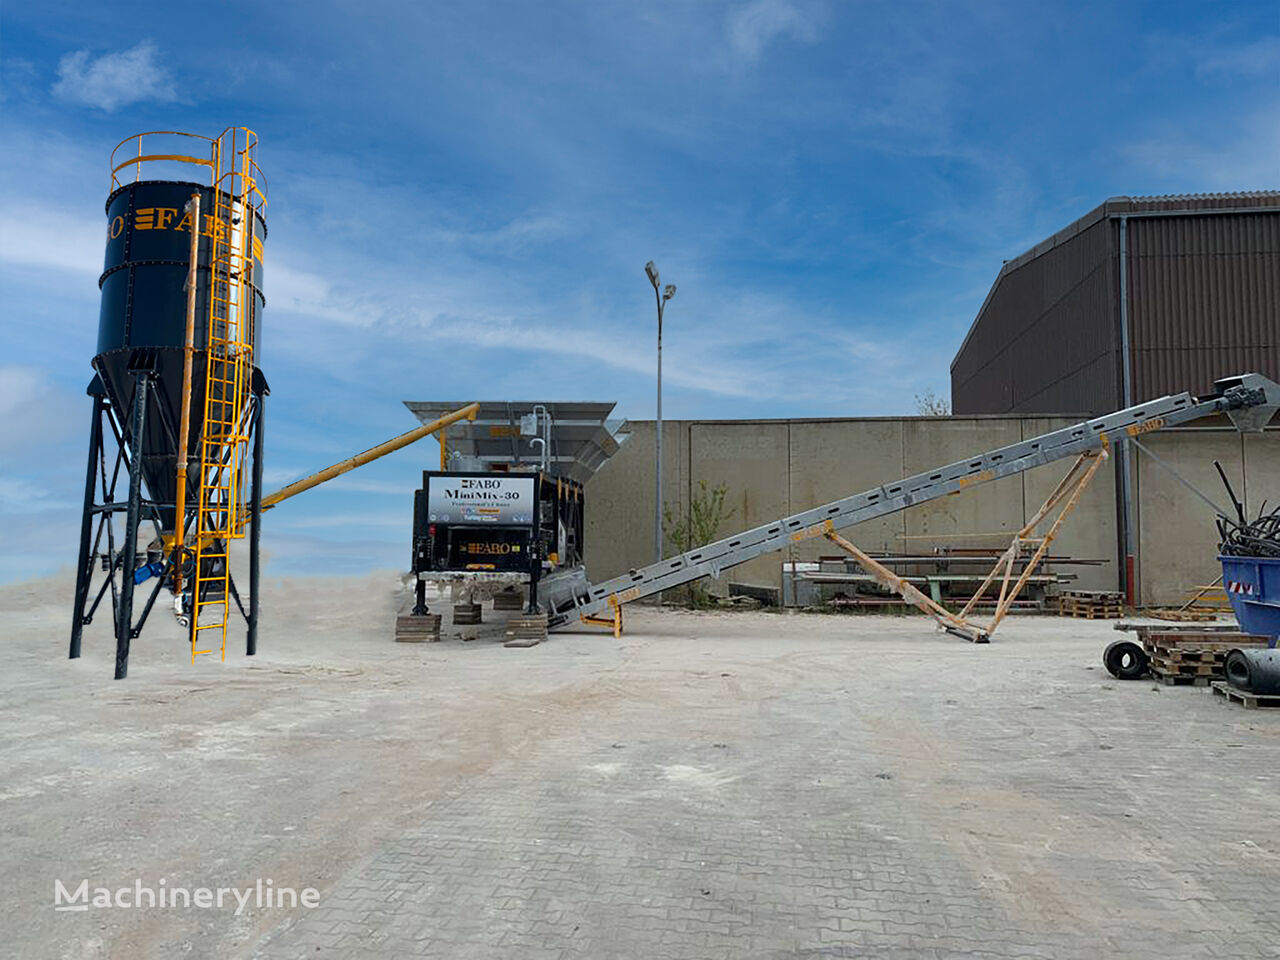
<point>231,155</point>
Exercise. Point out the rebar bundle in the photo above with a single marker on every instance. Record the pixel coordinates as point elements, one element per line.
<point>1242,537</point>
<point>1257,538</point>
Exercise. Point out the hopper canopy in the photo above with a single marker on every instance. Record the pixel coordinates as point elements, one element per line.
<point>582,436</point>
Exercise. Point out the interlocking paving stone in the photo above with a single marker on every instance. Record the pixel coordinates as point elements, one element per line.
<point>929,799</point>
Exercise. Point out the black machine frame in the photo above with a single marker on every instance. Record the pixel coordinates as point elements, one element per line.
<point>556,500</point>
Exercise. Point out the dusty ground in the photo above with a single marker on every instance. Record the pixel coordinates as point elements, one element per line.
<point>712,785</point>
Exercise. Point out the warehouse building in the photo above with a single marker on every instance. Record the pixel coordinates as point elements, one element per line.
<point>1139,298</point>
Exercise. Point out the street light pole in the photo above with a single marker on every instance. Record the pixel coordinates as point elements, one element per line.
<point>661,296</point>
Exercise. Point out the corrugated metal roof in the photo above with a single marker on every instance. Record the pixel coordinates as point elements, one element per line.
<point>1188,201</point>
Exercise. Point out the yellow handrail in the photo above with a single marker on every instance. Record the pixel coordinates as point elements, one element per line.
<point>141,158</point>
<point>247,139</point>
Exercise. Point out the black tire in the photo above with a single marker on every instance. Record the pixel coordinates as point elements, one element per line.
<point>1254,671</point>
<point>1125,660</point>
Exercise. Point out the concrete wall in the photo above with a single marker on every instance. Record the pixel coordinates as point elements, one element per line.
<point>1177,536</point>
<point>773,468</point>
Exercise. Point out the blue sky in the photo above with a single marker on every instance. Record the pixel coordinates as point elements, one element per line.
<point>462,198</point>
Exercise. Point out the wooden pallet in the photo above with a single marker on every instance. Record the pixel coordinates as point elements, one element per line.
<point>1176,680</point>
<point>1209,645</point>
<point>1250,701</point>
<point>1193,668</point>
<point>1202,646</point>
<point>1220,631</point>
<point>508,600</point>
<point>1204,603</point>
<point>1089,608</point>
<point>418,628</point>
<point>526,631</point>
<point>466,614</point>
<point>1192,655</point>
<point>1184,616</point>
<point>1096,596</point>
<point>1180,655</point>
<point>1207,638</point>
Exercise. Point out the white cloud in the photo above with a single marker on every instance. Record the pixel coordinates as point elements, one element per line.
<point>1258,58</point>
<point>301,292</point>
<point>17,78</point>
<point>35,415</point>
<point>33,235</point>
<point>752,28</point>
<point>1246,158</point>
<point>114,79</point>
<point>20,495</point>
<point>520,234</point>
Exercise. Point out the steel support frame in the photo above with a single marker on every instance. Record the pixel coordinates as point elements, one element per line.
<point>84,565</point>
<point>909,592</point>
<point>101,482</point>
<point>101,506</point>
<point>1070,489</point>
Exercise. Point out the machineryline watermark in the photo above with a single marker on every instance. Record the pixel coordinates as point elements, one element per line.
<point>264,894</point>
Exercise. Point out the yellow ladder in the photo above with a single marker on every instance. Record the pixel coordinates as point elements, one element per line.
<point>225,430</point>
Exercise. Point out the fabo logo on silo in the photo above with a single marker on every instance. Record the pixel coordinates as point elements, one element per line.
<point>158,218</point>
<point>166,218</point>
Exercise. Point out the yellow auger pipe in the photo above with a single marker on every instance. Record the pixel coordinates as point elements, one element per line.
<point>373,453</point>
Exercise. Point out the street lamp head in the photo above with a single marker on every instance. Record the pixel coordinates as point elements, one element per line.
<point>668,291</point>
<point>652,271</point>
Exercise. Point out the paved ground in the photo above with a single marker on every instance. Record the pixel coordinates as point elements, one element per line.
<point>719,785</point>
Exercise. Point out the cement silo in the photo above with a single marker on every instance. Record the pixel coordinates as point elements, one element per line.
<point>177,390</point>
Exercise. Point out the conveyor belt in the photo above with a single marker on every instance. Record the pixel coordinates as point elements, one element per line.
<point>1250,400</point>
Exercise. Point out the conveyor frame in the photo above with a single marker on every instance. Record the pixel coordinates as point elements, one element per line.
<point>1249,400</point>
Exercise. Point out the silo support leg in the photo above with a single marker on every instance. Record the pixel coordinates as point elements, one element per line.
<point>124,614</point>
<point>84,569</point>
<point>255,531</point>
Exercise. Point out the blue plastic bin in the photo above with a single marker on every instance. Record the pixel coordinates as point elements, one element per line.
<point>1253,586</point>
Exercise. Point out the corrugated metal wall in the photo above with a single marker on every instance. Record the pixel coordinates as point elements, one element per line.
<point>1204,302</point>
<point>1046,339</point>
